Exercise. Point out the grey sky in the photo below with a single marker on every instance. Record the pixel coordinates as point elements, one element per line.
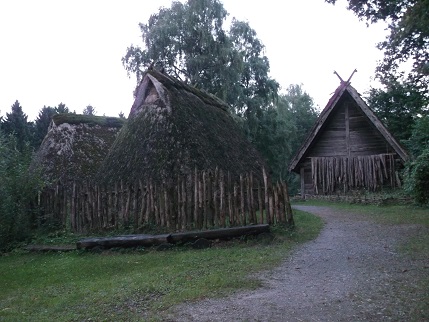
<point>70,51</point>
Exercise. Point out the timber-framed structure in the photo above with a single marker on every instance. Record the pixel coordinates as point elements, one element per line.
<point>348,149</point>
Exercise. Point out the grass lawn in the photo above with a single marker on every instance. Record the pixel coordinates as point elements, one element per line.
<point>139,284</point>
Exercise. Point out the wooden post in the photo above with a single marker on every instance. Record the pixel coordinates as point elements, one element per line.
<point>195,197</point>
<point>289,214</point>
<point>200,221</point>
<point>229,193</point>
<point>242,206</point>
<point>261,205</point>
<point>73,208</point>
<point>236,219</point>
<point>222,199</point>
<point>276,204</point>
<point>267,202</point>
<point>215,197</point>
<point>252,210</point>
<point>205,197</point>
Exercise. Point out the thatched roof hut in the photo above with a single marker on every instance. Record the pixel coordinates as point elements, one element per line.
<point>75,146</point>
<point>348,148</point>
<point>173,129</point>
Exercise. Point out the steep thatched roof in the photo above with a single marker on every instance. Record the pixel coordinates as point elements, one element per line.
<point>344,92</point>
<point>75,146</point>
<point>174,128</point>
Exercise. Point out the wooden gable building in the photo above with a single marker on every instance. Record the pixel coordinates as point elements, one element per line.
<point>347,149</point>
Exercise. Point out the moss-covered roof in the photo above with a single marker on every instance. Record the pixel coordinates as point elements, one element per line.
<point>174,128</point>
<point>75,146</point>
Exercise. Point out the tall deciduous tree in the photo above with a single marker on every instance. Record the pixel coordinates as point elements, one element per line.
<point>408,39</point>
<point>189,41</point>
<point>16,124</point>
<point>284,127</point>
<point>399,105</point>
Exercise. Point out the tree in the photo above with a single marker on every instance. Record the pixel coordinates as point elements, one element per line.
<point>189,41</point>
<point>408,39</point>
<point>16,124</point>
<point>419,140</point>
<point>42,123</point>
<point>121,115</point>
<point>18,189</point>
<point>62,108</point>
<point>398,106</point>
<point>283,128</point>
<point>89,110</point>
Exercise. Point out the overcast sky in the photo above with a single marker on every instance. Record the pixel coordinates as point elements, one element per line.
<point>70,51</point>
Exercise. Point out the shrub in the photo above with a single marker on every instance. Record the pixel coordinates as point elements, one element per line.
<point>18,189</point>
<point>418,177</point>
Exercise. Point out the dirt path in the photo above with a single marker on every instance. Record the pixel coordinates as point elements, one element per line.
<point>351,272</point>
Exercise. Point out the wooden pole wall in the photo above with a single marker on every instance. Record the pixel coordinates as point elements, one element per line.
<point>202,200</point>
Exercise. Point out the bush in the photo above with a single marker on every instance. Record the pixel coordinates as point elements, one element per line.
<point>18,190</point>
<point>418,177</point>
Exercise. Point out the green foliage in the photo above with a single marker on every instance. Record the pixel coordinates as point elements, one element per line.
<point>16,124</point>
<point>419,139</point>
<point>89,110</point>
<point>408,39</point>
<point>417,179</point>
<point>399,106</point>
<point>283,128</point>
<point>41,124</point>
<point>189,42</point>
<point>18,190</point>
<point>140,284</point>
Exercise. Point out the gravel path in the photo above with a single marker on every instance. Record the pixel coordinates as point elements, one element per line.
<point>350,272</point>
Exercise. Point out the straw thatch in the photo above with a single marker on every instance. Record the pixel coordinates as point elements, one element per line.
<point>174,129</point>
<point>75,146</point>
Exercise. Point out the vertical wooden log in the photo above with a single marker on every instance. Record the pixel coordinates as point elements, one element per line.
<point>252,209</point>
<point>276,204</point>
<point>205,197</point>
<point>148,214</point>
<point>167,216</point>
<point>134,210</point>
<point>210,214</point>
<point>88,205</point>
<point>196,191</point>
<point>236,220</point>
<point>73,208</point>
<point>157,202</point>
<point>267,201</point>
<point>142,195</point>
<point>242,206</point>
<point>184,221</point>
<point>215,197</point>
<point>260,203</point>
<point>248,199</point>
<point>229,194</point>
<point>289,214</point>
<point>222,198</point>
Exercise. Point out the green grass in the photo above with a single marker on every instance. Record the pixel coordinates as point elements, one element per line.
<point>139,284</point>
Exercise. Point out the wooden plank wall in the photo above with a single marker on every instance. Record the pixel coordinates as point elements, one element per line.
<point>348,132</point>
<point>202,200</point>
